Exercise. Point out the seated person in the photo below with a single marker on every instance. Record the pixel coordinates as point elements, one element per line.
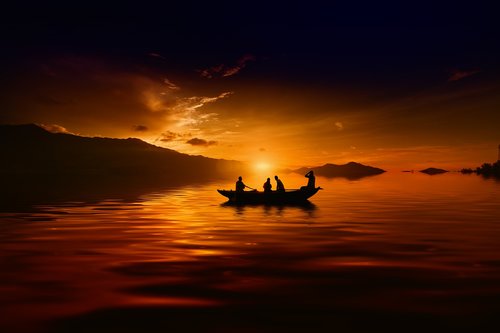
<point>267,186</point>
<point>240,186</point>
<point>279,185</point>
<point>311,182</point>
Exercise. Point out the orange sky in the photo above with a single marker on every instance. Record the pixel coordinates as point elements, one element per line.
<point>289,125</point>
<point>386,86</point>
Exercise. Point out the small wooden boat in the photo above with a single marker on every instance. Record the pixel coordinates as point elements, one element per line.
<point>274,197</point>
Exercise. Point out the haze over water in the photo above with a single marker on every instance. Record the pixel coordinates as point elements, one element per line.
<point>367,253</point>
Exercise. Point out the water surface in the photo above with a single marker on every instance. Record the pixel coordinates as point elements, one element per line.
<point>389,252</point>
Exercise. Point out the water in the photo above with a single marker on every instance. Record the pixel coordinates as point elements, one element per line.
<point>388,252</point>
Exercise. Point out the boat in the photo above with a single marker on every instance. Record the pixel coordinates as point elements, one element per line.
<point>273,197</point>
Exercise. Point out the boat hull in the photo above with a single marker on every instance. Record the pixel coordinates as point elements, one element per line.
<point>274,197</point>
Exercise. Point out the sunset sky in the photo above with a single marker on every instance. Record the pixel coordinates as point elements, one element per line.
<point>390,85</point>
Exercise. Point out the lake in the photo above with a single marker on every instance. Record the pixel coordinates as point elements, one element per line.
<point>394,252</point>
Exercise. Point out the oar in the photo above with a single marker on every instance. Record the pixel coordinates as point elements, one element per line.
<point>251,188</point>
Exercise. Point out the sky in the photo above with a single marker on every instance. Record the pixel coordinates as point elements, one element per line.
<point>389,84</point>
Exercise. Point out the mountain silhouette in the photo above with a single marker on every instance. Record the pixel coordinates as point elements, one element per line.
<point>433,171</point>
<point>351,170</point>
<point>41,167</point>
<point>29,150</point>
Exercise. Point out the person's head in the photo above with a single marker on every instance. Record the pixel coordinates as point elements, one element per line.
<point>239,178</point>
<point>276,177</point>
<point>268,179</point>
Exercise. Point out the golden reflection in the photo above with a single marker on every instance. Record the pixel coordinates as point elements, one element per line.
<point>186,246</point>
<point>171,301</point>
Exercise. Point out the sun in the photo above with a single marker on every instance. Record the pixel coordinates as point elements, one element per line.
<point>262,166</point>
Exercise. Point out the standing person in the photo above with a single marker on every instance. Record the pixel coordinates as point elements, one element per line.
<point>279,185</point>
<point>240,186</point>
<point>267,186</point>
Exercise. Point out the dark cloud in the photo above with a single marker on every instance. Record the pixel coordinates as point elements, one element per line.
<point>461,74</point>
<point>225,70</point>
<point>170,84</point>
<point>201,142</point>
<point>212,71</point>
<point>242,63</point>
<point>156,55</point>
<point>168,136</point>
<point>171,136</point>
<point>140,128</point>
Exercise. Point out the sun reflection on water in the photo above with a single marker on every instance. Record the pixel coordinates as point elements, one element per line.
<point>188,247</point>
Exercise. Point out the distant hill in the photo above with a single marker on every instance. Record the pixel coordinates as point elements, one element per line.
<point>486,170</point>
<point>31,151</point>
<point>433,171</point>
<point>351,170</point>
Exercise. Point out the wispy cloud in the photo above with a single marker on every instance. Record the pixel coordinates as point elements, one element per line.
<point>170,85</point>
<point>185,110</point>
<point>181,112</point>
<point>169,136</point>
<point>140,128</point>
<point>195,102</point>
<point>242,63</point>
<point>339,126</point>
<point>227,70</point>
<point>156,55</point>
<point>461,74</point>
<point>201,142</point>
<point>166,102</point>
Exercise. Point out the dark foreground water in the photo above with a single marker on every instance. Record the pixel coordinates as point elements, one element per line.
<point>396,252</point>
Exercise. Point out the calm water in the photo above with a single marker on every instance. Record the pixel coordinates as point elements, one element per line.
<point>391,251</point>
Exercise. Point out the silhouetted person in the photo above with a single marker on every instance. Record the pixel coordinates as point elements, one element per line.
<point>240,186</point>
<point>279,185</point>
<point>311,182</point>
<point>267,186</point>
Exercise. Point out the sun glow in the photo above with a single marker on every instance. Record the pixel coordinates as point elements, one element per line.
<point>262,166</point>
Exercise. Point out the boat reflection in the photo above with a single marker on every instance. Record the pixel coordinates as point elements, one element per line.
<point>240,207</point>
